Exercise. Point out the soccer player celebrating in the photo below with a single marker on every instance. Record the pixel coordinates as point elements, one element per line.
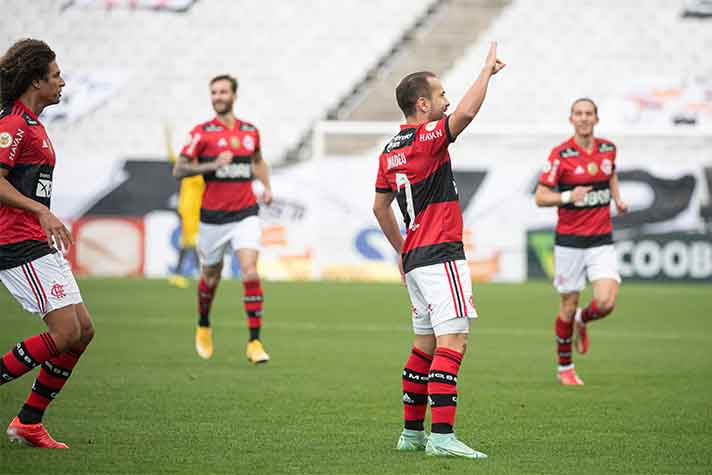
<point>226,151</point>
<point>31,267</point>
<point>414,168</point>
<point>583,170</point>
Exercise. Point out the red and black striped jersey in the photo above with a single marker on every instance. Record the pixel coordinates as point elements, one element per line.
<point>27,153</point>
<point>587,223</point>
<point>228,194</point>
<point>415,164</point>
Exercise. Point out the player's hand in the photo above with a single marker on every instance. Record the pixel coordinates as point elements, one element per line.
<point>57,234</point>
<point>621,206</point>
<point>224,158</point>
<point>578,194</point>
<point>492,64</point>
<point>400,269</point>
<point>267,196</point>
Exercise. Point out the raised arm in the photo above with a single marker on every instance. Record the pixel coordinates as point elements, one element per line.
<point>471,102</point>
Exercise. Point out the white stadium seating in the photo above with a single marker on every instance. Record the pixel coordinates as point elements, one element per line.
<point>294,60</point>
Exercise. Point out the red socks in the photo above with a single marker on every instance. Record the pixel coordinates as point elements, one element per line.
<point>415,389</point>
<point>26,355</point>
<point>442,389</point>
<point>564,331</point>
<point>253,298</point>
<point>592,312</point>
<point>205,301</point>
<point>50,380</point>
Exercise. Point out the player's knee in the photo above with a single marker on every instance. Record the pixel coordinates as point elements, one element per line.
<point>87,334</point>
<point>606,305</point>
<point>250,274</point>
<point>568,310</point>
<point>211,276</point>
<point>66,336</point>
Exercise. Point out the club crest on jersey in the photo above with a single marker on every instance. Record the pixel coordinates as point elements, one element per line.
<point>5,140</point>
<point>592,168</point>
<point>222,142</point>
<point>430,126</point>
<point>579,170</point>
<point>249,143</point>
<point>607,166</point>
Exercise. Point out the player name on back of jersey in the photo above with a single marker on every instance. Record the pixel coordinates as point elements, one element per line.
<point>396,160</point>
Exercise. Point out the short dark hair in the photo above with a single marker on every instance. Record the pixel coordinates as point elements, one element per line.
<point>412,87</point>
<point>585,99</point>
<point>226,77</point>
<point>26,61</point>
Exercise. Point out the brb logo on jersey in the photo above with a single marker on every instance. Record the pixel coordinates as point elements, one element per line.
<point>234,170</point>
<point>44,186</point>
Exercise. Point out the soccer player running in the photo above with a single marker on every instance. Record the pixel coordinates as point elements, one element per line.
<point>583,170</point>
<point>415,169</point>
<point>31,266</point>
<point>227,152</point>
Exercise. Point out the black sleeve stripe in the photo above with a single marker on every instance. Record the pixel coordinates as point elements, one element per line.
<point>5,166</point>
<point>447,130</point>
<point>383,190</point>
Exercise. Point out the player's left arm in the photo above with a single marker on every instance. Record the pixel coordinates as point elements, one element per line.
<point>621,205</point>
<point>261,171</point>
<point>389,225</point>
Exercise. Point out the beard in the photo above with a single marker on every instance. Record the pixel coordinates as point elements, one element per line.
<point>222,107</point>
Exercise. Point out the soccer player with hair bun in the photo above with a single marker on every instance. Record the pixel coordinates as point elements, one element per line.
<point>414,169</point>
<point>580,179</point>
<point>32,266</point>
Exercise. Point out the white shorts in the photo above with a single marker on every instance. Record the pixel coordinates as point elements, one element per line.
<point>214,240</point>
<point>42,285</point>
<point>441,295</point>
<point>573,265</point>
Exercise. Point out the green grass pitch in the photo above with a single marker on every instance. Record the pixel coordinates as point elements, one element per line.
<point>142,401</point>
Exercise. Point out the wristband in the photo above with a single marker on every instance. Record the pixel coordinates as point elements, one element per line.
<point>565,197</point>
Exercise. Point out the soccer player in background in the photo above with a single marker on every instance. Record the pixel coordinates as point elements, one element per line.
<point>227,152</point>
<point>190,195</point>
<point>580,179</point>
<point>31,265</point>
<point>415,169</point>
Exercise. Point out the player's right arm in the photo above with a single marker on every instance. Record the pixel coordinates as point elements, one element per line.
<point>389,225</point>
<point>56,232</point>
<point>546,196</point>
<point>184,166</point>
<point>471,102</point>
